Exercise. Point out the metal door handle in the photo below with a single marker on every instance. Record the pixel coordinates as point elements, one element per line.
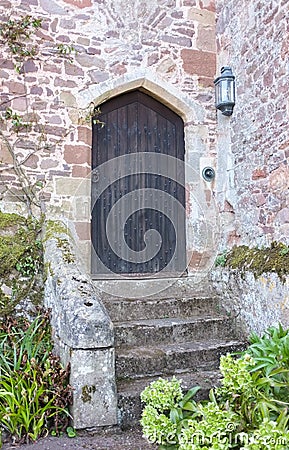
<point>95,176</point>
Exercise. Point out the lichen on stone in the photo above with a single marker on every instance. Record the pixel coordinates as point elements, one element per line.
<point>87,392</point>
<point>54,228</point>
<point>260,260</point>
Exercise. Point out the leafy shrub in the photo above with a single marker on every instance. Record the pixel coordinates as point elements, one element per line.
<point>249,411</point>
<point>167,411</point>
<point>34,389</point>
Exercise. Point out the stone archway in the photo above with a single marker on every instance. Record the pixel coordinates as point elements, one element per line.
<point>200,207</point>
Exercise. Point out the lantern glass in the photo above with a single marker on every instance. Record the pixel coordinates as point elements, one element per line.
<point>225,91</point>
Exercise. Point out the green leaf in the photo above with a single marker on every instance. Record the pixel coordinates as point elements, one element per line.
<point>175,417</point>
<point>71,432</point>
<point>191,393</point>
<point>190,406</point>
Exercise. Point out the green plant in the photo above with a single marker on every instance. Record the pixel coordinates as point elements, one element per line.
<point>70,431</point>
<point>221,259</point>
<point>65,49</point>
<point>166,411</point>
<point>269,436</point>
<point>247,391</point>
<point>26,406</point>
<point>16,119</point>
<point>249,411</point>
<point>17,35</point>
<point>29,263</point>
<point>21,257</point>
<point>271,355</point>
<point>214,427</point>
<point>284,251</point>
<point>34,389</point>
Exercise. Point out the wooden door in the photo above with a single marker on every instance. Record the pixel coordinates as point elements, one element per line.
<point>138,195</point>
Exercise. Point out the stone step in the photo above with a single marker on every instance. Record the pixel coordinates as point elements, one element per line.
<point>172,330</point>
<point>129,403</point>
<point>164,359</point>
<point>152,287</point>
<point>121,310</point>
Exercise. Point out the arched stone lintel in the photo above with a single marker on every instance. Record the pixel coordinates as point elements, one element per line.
<point>189,110</point>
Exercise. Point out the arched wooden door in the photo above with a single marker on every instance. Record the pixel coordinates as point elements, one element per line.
<point>138,194</point>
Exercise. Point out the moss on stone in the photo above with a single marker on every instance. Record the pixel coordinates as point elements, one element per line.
<point>260,260</point>
<point>53,228</point>
<point>11,251</point>
<point>9,220</point>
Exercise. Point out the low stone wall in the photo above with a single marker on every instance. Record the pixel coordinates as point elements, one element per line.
<point>82,332</point>
<point>256,303</point>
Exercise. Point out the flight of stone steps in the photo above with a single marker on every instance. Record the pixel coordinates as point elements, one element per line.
<point>177,332</point>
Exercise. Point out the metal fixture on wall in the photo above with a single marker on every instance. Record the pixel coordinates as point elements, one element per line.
<point>225,91</point>
<point>208,173</point>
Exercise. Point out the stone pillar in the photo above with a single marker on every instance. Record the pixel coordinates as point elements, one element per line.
<point>82,332</point>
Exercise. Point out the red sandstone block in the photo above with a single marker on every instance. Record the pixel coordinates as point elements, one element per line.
<point>190,3</point>
<point>6,64</point>
<point>208,4</point>
<point>233,238</point>
<point>64,83</point>
<point>206,82</point>
<point>268,230</point>
<point>196,62</point>
<point>118,69</point>
<point>79,3</point>
<point>80,171</point>
<point>77,154</point>
<point>83,230</point>
<point>259,173</point>
<point>85,134</point>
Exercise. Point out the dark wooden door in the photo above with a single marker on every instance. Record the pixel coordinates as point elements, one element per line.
<point>138,194</point>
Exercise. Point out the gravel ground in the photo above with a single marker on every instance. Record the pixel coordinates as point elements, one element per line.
<point>113,439</point>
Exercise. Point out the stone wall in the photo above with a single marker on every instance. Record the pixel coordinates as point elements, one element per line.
<point>253,146</point>
<point>166,47</point>
<point>254,303</point>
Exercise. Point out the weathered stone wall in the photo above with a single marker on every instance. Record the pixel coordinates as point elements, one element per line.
<point>165,46</point>
<point>254,303</point>
<point>253,146</point>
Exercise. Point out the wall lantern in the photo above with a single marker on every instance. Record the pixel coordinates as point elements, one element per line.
<point>225,91</point>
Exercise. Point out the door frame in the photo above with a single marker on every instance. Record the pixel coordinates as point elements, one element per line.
<point>197,147</point>
<point>175,168</point>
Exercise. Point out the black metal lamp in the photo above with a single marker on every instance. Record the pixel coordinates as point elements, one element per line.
<point>225,91</point>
